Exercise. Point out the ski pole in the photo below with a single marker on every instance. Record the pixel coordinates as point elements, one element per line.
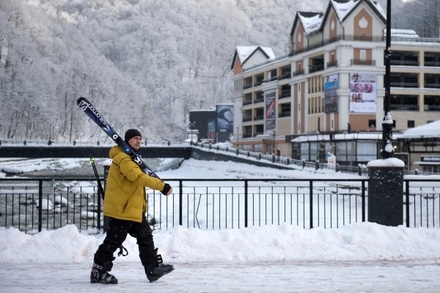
<point>100,189</point>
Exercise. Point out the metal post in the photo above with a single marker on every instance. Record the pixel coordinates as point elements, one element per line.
<point>180,203</point>
<point>387,150</point>
<point>311,203</point>
<point>40,205</point>
<point>246,203</point>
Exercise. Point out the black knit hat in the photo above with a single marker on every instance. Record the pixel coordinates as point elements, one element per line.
<point>131,133</point>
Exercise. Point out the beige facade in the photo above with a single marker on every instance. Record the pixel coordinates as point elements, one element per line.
<point>332,78</point>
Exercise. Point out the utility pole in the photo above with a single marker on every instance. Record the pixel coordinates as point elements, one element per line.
<point>387,150</point>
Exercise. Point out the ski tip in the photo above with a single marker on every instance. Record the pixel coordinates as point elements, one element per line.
<point>80,100</point>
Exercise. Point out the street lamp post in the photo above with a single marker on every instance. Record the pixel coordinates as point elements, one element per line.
<point>385,183</point>
<point>387,150</point>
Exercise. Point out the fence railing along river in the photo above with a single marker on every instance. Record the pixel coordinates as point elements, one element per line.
<point>33,205</point>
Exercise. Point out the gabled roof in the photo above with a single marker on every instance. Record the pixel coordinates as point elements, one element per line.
<point>314,21</point>
<point>344,8</point>
<point>310,21</point>
<point>244,53</point>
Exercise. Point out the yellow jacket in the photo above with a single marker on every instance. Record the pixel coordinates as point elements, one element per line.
<point>125,196</point>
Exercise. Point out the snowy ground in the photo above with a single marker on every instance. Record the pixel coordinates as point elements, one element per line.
<point>363,257</point>
<point>225,277</point>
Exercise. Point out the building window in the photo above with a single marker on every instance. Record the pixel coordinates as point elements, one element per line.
<point>285,72</point>
<point>247,99</point>
<point>247,82</point>
<point>431,103</point>
<point>363,55</point>
<point>432,59</point>
<point>404,103</point>
<point>399,79</point>
<point>258,79</point>
<point>284,91</point>
<point>372,123</point>
<point>316,63</point>
<point>411,124</point>
<point>432,81</point>
<point>258,114</point>
<point>406,58</point>
<point>259,97</point>
<point>285,110</point>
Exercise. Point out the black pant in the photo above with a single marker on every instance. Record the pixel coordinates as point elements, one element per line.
<point>116,235</point>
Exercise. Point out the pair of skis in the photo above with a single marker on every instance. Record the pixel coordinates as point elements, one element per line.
<point>94,114</point>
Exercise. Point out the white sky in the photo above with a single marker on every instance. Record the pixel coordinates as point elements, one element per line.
<point>363,257</point>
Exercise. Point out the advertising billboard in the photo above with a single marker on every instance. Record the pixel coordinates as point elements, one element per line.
<point>225,122</point>
<point>270,111</point>
<point>363,92</point>
<point>331,84</point>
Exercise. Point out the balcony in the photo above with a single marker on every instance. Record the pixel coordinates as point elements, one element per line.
<point>315,68</point>
<point>336,39</point>
<point>367,62</point>
<point>432,63</point>
<point>333,63</point>
<point>432,107</point>
<point>404,107</point>
<point>299,72</point>
<point>404,84</point>
<point>432,85</point>
<point>285,75</point>
<point>405,62</point>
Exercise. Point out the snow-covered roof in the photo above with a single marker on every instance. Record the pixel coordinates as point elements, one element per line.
<point>343,8</point>
<point>379,8</point>
<point>343,136</point>
<point>425,131</point>
<point>244,52</point>
<point>203,110</point>
<point>313,21</point>
<point>403,33</point>
<point>310,21</point>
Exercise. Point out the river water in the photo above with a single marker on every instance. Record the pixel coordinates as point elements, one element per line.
<point>82,169</point>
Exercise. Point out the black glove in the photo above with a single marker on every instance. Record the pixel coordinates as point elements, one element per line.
<point>166,189</point>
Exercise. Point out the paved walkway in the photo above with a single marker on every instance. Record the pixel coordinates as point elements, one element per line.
<point>230,277</point>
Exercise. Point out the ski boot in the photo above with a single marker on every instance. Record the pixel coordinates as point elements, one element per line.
<point>159,270</point>
<point>100,275</point>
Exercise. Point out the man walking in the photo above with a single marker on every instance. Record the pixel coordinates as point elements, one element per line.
<point>125,205</point>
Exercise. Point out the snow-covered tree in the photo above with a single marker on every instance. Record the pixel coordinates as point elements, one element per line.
<point>143,63</point>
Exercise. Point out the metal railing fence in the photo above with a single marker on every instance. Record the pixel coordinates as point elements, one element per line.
<point>422,202</point>
<point>239,203</point>
<point>33,205</point>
